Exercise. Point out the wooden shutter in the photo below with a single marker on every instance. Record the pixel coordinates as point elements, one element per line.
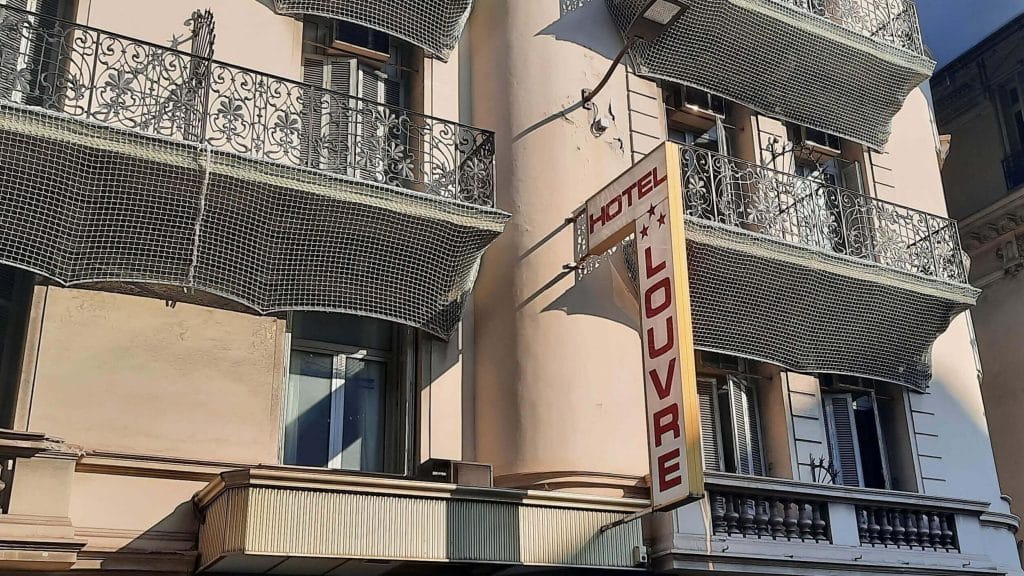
<point>331,120</point>
<point>710,430</point>
<point>746,429</point>
<point>842,437</point>
<point>12,50</point>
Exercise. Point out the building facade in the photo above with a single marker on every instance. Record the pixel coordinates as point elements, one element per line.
<point>978,104</point>
<point>298,287</point>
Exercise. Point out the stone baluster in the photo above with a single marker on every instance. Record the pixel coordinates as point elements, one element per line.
<point>862,525</point>
<point>818,524</point>
<point>791,520</point>
<point>899,532</point>
<point>805,521</point>
<point>732,517</point>
<point>885,528</point>
<point>947,532</point>
<point>935,527</point>
<point>924,533</point>
<point>747,516</point>
<point>910,520</point>
<point>718,514</point>
<point>778,513</point>
<point>873,527</point>
<point>761,518</point>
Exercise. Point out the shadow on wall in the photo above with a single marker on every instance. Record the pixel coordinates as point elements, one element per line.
<point>586,23</point>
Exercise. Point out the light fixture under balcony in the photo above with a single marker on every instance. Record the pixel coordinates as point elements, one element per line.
<point>658,16</point>
<point>653,21</point>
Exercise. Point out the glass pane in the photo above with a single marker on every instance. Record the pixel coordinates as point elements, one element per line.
<point>356,331</point>
<point>307,429</point>
<point>363,429</point>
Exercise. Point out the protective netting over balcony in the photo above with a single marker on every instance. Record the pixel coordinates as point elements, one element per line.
<point>123,161</point>
<point>435,25</point>
<point>830,65</point>
<point>811,276</point>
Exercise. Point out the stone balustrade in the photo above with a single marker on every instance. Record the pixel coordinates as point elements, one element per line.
<point>769,517</point>
<point>907,528</point>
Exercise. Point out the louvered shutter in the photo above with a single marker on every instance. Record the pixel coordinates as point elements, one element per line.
<point>710,430</point>
<point>746,429</point>
<point>12,51</point>
<point>331,118</point>
<point>842,436</point>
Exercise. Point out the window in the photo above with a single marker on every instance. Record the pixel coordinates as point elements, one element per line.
<point>364,74</point>
<point>1013,99</point>
<point>730,420</point>
<point>856,447</point>
<point>346,405</point>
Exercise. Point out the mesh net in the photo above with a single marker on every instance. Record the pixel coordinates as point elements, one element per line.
<point>435,25</point>
<point>842,67</point>
<point>128,162</point>
<point>808,275</point>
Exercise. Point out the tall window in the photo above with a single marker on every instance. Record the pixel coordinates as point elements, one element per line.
<point>856,446</point>
<point>346,404</point>
<point>730,417</point>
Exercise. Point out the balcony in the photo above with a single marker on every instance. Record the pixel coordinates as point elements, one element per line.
<point>806,275</point>
<point>434,25</point>
<point>841,66</point>
<point>287,520</point>
<point>891,22</point>
<point>178,169</point>
<point>799,528</point>
<point>821,216</point>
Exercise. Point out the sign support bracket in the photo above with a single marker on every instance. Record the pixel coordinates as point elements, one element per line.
<point>626,519</point>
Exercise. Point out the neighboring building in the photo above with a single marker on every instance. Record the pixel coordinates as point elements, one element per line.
<point>979,103</point>
<point>290,289</point>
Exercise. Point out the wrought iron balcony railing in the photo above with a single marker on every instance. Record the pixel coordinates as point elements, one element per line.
<point>893,22</point>
<point>1013,170</point>
<point>128,83</point>
<point>819,215</point>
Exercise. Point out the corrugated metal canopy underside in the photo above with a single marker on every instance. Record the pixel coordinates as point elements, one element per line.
<point>784,62</point>
<point>812,311</point>
<point>435,25</point>
<point>85,203</point>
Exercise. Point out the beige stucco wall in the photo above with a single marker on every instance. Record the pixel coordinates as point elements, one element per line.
<point>129,374</point>
<point>249,33</point>
<point>558,367</point>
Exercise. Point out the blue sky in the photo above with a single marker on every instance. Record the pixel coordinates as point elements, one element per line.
<point>952,26</point>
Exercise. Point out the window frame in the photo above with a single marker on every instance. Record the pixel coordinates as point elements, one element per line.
<point>853,392</point>
<point>721,382</point>
<point>398,405</point>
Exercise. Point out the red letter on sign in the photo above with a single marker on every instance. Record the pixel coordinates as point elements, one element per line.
<point>595,220</point>
<point>649,267</point>
<point>646,184</point>
<point>658,182</point>
<point>654,351</point>
<point>663,387</point>
<point>666,420</point>
<point>663,285</point>
<point>668,463</point>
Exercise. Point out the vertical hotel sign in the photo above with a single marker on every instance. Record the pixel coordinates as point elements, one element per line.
<point>647,200</point>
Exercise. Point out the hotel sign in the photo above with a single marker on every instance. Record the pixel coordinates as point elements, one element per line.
<point>647,200</point>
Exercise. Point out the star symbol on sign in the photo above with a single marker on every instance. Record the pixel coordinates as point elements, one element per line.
<point>650,211</point>
<point>661,220</point>
<point>644,231</point>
